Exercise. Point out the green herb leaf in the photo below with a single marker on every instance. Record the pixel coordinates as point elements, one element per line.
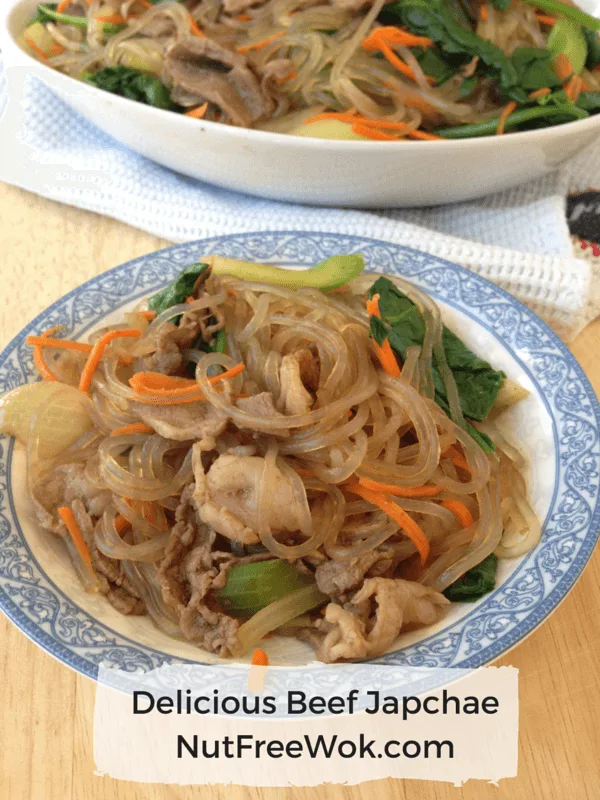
<point>593,48</point>
<point>467,86</point>
<point>475,583</point>
<point>477,382</point>
<point>501,5</point>
<point>534,68</point>
<point>177,291</point>
<point>440,69</point>
<point>251,587</point>
<point>134,84</point>
<point>590,102</point>
<point>540,113</point>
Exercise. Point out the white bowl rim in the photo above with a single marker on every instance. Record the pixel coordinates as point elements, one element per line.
<point>309,142</point>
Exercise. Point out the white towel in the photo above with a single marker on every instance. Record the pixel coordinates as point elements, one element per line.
<point>518,238</point>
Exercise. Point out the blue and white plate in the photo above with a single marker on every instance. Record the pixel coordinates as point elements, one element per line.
<point>557,428</point>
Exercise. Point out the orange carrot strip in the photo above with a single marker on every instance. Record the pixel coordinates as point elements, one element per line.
<point>397,62</point>
<point>539,93</point>
<point>195,29</point>
<point>483,12</point>
<point>259,45</point>
<point>68,518</point>
<point>178,395</point>
<point>243,18</point>
<point>304,473</point>
<point>572,88</point>
<point>460,511</point>
<point>457,458</point>
<point>293,74</point>
<point>372,133</point>
<point>62,344</point>
<point>414,134</point>
<point>121,524</point>
<point>260,658</point>
<point>57,49</point>
<point>115,19</point>
<point>135,427</point>
<point>149,315</point>
<point>38,356</point>
<point>197,113</point>
<point>395,512</point>
<point>391,35</point>
<point>155,382</point>
<point>429,490</point>
<point>504,115</point>
<point>97,353</point>
<point>546,20</point>
<point>563,67</point>
<point>385,354</point>
<point>63,5</point>
<point>37,50</point>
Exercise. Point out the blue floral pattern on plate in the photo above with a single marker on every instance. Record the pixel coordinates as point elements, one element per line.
<point>43,612</point>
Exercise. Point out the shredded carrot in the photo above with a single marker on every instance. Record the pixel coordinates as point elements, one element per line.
<point>457,458</point>
<point>584,86</point>
<point>563,67</point>
<point>149,315</point>
<point>135,427</point>
<point>37,50</point>
<point>195,29</point>
<point>182,387</point>
<point>38,356</point>
<point>63,5</point>
<point>539,93</point>
<point>243,18</point>
<point>304,473</point>
<point>293,74</point>
<point>504,115</point>
<point>415,134</point>
<point>429,490</point>
<point>97,353</point>
<point>390,34</point>
<point>115,19</point>
<point>460,511</point>
<point>260,658</point>
<point>121,524</point>
<point>57,49</point>
<point>372,133</point>
<point>483,12</point>
<point>385,354</point>
<point>63,344</point>
<point>263,43</point>
<point>546,20</point>
<point>197,113</point>
<point>572,88</point>
<point>68,518</point>
<point>393,510</point>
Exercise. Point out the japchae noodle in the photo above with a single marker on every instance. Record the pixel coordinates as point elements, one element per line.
<point>348,69</point>
<point>243,457</point>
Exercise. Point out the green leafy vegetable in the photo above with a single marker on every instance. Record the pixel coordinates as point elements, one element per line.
<point>48,13</point>
<point>555,8</point>
<point>589,101</point>
<point>501,5</point>
<point>593,48</point>
<point>534,68</point>
<point>177,291</point>
<point>329,274</point>
<point>435,66</point>
<point>467,86</point>
<point>567,37</point>
<point>475,583</point>
<point>132,83</point>
<point>432,18</point>
<point>251,587</point>
<point>477,382</point>
<point>548,114</point>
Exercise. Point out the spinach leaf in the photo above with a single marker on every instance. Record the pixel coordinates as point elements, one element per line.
<point>501,5</point>
<point>475,583</point>
<point>534,68</point>
<point>134,84</point>
<point>432,18</point>
<point>477,382</point>
<point>590,102</point>
<point>467,86</point>
<point>431,62</point>
<point>593,48</point>
<point>546,114</point>
<point>177,291</point>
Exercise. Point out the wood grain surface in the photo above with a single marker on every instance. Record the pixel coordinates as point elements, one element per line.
<point>46,710</point>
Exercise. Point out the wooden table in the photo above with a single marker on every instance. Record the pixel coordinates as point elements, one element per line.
<point>46,709</point>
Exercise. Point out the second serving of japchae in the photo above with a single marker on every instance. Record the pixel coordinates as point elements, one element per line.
<point>335,69</point>
<point>255,450</point>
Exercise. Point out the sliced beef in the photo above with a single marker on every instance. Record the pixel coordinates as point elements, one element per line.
<point>204,68</point>
<point>336,578</point>
<point>200,421</point>
<point>172,339</point>
<point>189,572</point>
<point>369,624</point>
<point>294,398</point>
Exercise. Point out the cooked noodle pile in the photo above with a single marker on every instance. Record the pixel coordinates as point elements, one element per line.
<point>247,465</point>
<point>406,69</point>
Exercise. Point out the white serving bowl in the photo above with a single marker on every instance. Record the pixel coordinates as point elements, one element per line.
<point>298,169</point>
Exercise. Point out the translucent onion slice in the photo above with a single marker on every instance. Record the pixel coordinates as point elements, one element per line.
<point>277,614</point>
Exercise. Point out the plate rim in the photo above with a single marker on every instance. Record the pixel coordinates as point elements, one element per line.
<point>558,593</point>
